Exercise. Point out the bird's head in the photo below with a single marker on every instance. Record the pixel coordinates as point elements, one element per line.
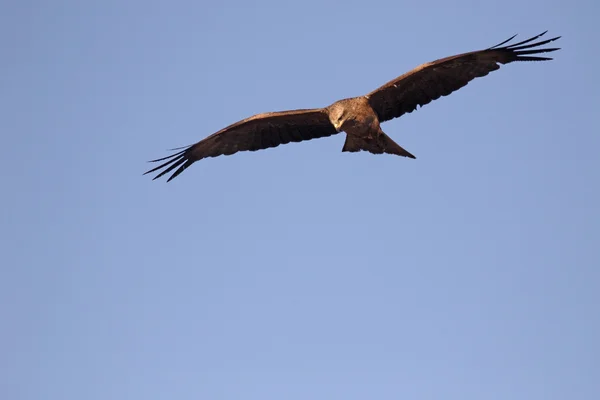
<point>337,116</point>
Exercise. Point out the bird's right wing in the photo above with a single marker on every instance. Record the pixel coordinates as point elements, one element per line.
<point>258,132</point>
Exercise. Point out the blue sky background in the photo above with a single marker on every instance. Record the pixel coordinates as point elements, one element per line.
<point>299,272</point>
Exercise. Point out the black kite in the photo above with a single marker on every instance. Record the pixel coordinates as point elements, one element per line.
<point>360,116</point>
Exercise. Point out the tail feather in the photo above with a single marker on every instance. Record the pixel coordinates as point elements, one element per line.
<point>383,144</point>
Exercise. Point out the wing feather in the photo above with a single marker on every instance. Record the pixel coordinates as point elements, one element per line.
<point>430,81</point>
<point>258,132</point>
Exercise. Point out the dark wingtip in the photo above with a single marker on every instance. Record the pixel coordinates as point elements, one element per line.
<point>180,170</point>
<point>504,42</point>
<point>172,161</point>
<point>522,51</point>
<point>170,156</point>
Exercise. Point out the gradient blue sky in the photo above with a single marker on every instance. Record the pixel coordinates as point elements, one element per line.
<point>299,272</point>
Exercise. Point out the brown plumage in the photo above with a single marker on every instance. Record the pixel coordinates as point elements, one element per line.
<point>360,116</point>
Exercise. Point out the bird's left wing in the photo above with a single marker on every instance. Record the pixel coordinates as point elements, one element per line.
<point>258,132</point>
<point>429,81</point>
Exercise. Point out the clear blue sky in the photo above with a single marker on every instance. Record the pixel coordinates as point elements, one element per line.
<point>299,272</point>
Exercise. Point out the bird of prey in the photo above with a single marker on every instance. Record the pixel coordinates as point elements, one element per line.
<point>358,117</point>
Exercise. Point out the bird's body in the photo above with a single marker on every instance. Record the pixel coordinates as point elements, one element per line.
<point>356,117</point>
<point>359,117</point>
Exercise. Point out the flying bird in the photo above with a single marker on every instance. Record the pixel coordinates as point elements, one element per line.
<point>358,117</point>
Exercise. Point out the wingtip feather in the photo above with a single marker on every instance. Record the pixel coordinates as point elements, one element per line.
<point>171,162</point>
<point>504,42</point>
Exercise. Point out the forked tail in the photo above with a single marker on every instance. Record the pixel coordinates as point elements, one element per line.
<point>383,144</point>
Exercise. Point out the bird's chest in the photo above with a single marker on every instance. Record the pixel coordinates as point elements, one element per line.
<point>360,124</point>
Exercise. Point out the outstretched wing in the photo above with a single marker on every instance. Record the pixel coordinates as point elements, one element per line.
<point>258,132</point>
<point>429,81</point>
